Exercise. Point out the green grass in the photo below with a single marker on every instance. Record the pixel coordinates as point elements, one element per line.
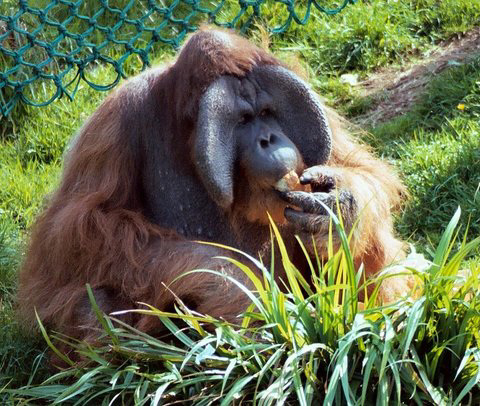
<point>313,344</point>
<point>436,148</point>
<point>375,33</point>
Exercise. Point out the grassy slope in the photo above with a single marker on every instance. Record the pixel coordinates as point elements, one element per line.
<point>435,146</point>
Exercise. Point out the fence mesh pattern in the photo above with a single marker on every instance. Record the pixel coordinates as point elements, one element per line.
<point>58,41</point>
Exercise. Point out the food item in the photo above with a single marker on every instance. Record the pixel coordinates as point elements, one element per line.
<point>288,182</point>
<point>291,182</point>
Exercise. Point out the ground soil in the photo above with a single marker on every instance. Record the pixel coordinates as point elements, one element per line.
<point>395,90</point>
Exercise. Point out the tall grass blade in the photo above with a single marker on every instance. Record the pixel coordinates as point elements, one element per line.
<point>415,316</point>
<point>475,380</point>
<point>441,253</point>
<point>235,391</point>
<point>292,276</point>
<point>63,357</point>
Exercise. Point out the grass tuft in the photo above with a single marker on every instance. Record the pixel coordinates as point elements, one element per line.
<point>311,344</point>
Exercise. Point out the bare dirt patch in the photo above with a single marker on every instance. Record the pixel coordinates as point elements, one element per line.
<point>395,91</point>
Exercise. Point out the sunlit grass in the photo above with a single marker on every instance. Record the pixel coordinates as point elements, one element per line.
<point>309,344</point>
<point>436,149</point>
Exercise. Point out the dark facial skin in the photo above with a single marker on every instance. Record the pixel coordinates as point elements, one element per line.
<point>265,152</point>
<point>255,130</point>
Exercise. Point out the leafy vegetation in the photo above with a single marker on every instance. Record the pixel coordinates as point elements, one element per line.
<point>410,351</point>
<point>424,350</point>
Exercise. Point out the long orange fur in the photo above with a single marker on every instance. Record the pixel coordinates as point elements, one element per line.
<point>93,229</point>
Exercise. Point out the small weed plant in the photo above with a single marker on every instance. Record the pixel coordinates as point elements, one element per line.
<point>305,343</point>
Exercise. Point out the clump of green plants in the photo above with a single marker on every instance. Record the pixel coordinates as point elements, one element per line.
<point>311,343</point>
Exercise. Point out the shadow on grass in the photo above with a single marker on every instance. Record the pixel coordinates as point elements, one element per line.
<point>23,356</point>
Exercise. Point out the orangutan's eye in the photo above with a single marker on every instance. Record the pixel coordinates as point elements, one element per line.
<point>246,118</point>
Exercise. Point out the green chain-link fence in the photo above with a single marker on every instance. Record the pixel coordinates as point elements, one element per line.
<point>58,40</point>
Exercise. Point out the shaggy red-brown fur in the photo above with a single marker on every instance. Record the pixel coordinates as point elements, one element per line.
<point>95,231</point>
